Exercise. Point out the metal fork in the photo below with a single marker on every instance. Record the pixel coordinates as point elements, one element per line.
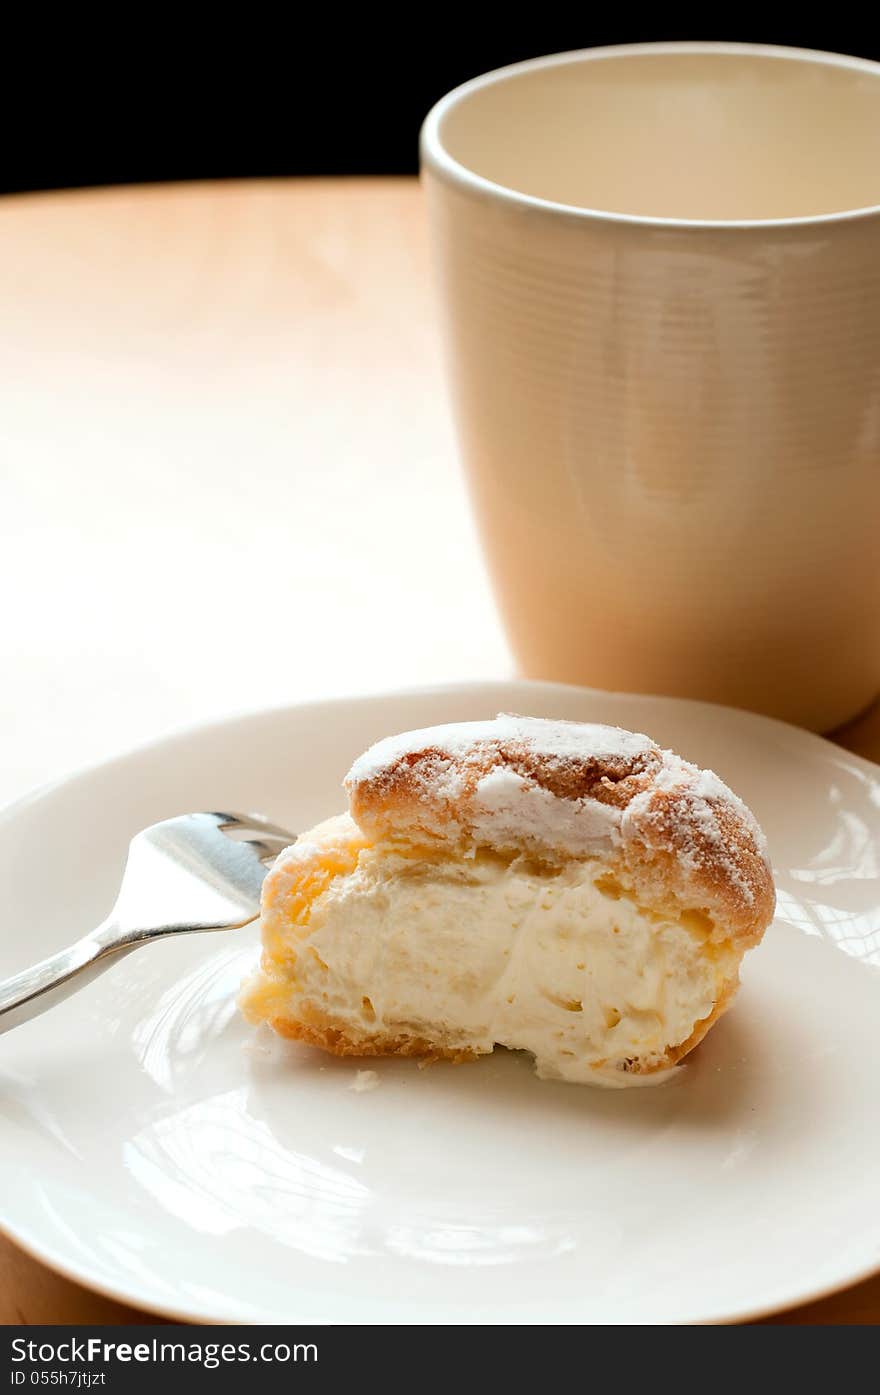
<point>189,874</point>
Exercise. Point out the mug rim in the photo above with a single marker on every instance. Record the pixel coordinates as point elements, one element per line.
<point>436,158</point>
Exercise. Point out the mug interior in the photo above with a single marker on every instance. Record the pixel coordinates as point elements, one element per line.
<point>696,133</point>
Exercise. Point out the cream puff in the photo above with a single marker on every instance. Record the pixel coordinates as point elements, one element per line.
<point>566,889</point>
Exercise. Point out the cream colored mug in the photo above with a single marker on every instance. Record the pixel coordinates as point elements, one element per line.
<point>660,273</point>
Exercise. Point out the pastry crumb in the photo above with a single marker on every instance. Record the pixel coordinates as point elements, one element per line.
<point>364,1080</point>
<point>263,1044</point>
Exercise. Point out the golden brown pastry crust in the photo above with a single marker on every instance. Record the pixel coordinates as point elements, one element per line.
<point>338,1040</point>
<point>681,840</point>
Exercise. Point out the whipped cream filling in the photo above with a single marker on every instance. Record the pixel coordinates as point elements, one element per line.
<point>485,951</point>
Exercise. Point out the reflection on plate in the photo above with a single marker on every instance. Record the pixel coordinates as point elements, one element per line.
<point>157,1149</point>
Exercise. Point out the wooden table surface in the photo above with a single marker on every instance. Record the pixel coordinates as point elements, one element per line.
<point>229,391</point>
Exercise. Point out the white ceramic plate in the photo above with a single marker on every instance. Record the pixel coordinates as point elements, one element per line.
<point>155,1151</point>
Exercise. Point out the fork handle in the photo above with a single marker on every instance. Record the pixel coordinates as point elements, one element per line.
<point>34,990</point>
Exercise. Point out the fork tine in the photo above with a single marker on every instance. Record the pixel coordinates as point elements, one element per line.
<point>267,839</point>
<point>255,823</point>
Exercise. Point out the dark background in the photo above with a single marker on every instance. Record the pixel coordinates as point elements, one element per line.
<point>281,93</point>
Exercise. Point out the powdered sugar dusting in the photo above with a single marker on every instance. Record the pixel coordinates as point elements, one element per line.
<point>705,840</point>
<point>497,789</point>
<point>707,786</point>
<point>508,809</point>
<point>562,740</point>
